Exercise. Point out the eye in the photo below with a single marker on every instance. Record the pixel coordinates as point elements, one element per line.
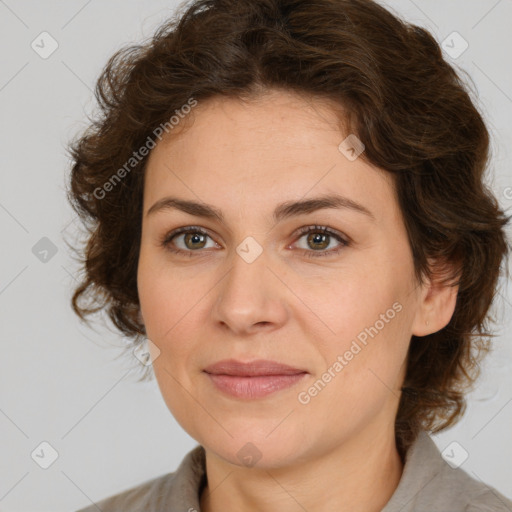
<point>319,238</point>
<point>192,239</point>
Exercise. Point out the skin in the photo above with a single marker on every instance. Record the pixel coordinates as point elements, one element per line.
<point>337,452</point>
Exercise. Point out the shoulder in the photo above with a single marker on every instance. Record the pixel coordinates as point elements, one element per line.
<point>464,492</point>
<point>176,490</point>
<point>430,483</point>
<point>469,494</point>
<point>489,500</point>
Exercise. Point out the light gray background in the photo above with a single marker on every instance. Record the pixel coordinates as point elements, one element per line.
<point>60,382</point>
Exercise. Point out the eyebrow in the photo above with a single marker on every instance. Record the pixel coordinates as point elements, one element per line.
<point>281,212</point>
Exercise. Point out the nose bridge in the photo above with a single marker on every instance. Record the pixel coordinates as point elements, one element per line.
<point>249,295</point>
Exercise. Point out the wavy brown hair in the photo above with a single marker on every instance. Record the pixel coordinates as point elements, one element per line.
<point>408,106</point>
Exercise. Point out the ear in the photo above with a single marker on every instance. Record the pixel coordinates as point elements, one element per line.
<point>436,302</point>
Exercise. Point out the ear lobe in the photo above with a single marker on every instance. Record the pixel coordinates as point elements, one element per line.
<point>437,303</point>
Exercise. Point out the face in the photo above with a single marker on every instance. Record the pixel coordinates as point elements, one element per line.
<point>328,291</point>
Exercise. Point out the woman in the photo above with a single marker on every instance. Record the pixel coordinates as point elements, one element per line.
<point>286,199</point>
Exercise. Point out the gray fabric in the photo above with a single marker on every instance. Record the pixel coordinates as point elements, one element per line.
<point>428,484</point>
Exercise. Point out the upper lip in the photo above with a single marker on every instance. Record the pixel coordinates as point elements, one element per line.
<point>254,368</point>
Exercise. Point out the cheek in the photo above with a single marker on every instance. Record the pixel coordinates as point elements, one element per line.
<point>363,369</point>
<point>163,293</point>
<point>377,301</point>
<point>164,302</point>
<point>168,318</point>
<point>356,304</point>
<point>173,306</point>
<point>155,302</point>
<point>369,316</point>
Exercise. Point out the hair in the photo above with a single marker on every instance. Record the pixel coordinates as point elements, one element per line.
<point>400,97</point>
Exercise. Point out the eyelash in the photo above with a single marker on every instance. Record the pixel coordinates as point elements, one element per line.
<point>167,239</point>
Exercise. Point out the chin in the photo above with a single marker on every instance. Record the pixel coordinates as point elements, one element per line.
<point>255,449</point>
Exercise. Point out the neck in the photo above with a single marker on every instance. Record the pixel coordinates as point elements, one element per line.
<point>359,475</point>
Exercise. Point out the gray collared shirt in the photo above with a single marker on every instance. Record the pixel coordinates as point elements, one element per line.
<point>428,484</point>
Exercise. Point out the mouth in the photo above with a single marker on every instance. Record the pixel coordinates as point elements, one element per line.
<point>256,368</point>
<point>255,379</point>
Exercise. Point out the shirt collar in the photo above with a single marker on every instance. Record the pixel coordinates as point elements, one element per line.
<point>422,463</point>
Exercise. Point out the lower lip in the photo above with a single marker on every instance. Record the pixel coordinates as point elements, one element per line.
<point>254,387</point>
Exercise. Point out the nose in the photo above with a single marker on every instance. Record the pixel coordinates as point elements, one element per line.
<point>250,298</point>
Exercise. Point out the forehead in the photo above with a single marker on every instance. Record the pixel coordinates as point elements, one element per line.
<point>241,155</point>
